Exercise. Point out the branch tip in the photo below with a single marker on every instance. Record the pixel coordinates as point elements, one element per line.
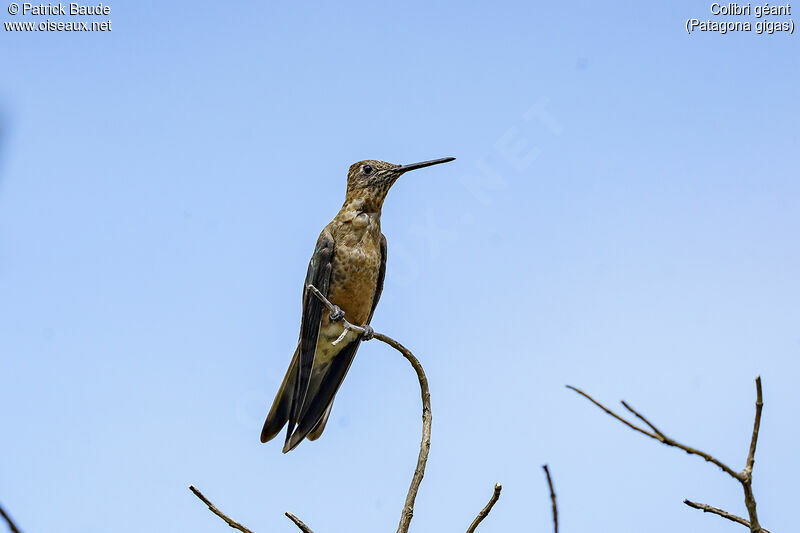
<point>487,509</point>
<point>299,523</point>
<point>11,525</point>
<point>552,497</point>
<point>232,523</point>
<point>719,512</point>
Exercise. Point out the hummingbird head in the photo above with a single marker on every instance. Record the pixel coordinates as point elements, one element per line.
<point>371,179</point>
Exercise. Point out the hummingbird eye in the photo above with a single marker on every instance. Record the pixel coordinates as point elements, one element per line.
<point>367,169</point>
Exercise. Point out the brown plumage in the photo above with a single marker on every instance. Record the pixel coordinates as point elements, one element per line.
<point>348,267</point>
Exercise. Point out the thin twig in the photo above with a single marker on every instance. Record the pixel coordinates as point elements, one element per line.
<point>234,524</point>
<point>11,525</point>
<point>745,477</point>
<point>724,514</point>
<point>485,511</point>
<point>425,444</point>
<point>643,419</point>
<point>299,523</point>
<point>552,497</point>
<point>612,413</point>
<point>751,456</point>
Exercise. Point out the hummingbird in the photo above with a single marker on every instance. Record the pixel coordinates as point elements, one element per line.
<point>348,267</point>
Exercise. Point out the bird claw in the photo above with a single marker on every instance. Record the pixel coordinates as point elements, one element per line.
<point>337,314</point>
<point>368,334</point>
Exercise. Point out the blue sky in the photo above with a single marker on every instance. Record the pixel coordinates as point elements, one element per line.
<point>622,216</point>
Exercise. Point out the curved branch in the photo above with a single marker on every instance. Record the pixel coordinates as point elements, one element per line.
<point>425,444</point>
<point>485,511</point>
<point>11,525</point>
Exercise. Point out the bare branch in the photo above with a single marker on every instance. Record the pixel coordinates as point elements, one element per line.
<point>425,444</point>
<point>299,523</point>
<point>552,497</point>
<point>724,514</point>
<point>745,477</point>
<point>11,525</point>
<point>485,511</point>
<point>659,436</point>
<point>750,503</point>
<point>234,524</point>
<point>751,456</point>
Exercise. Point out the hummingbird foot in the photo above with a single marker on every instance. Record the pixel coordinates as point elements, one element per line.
<point>336,314</point>
<point>368,334</point>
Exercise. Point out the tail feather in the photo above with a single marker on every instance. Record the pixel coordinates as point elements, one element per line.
<point>316,432</point>
<point>320,399</point>
<point>279,413</point>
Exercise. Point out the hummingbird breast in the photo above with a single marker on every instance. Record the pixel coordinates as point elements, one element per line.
<point>355,266</point>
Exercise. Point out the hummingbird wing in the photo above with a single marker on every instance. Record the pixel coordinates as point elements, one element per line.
<point>291,394</point>
<point>315,415</point>
<point>319,275</point>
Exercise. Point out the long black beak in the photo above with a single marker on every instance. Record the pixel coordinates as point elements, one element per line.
<point>415,166</point>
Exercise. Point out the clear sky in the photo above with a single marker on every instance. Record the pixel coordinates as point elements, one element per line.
<point>622,216</point>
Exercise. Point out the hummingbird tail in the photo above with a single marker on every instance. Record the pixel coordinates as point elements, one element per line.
<point>315,433</point>
<point>279,413</point>
<point>320,397</point>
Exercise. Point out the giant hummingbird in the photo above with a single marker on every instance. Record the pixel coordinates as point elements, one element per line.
<point>348,267</point>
